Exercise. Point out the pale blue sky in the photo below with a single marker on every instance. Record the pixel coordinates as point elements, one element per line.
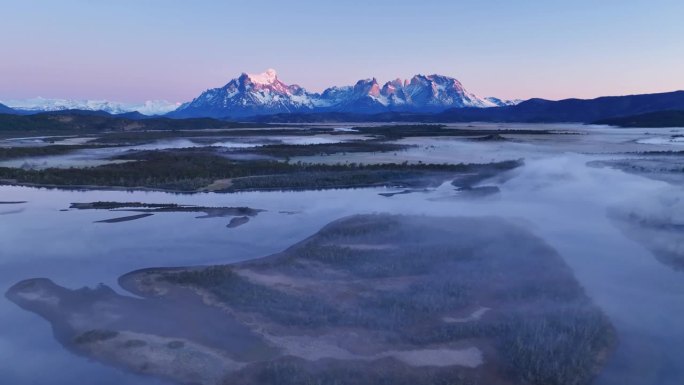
<point>133,50</point>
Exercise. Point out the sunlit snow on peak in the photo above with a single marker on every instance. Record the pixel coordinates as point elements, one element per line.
<point>267,77</point>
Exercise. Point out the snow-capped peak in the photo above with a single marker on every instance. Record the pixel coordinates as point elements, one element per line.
<point>267,77</point>
<point>264,93</point>
<point>38,104</point>
<point>502,102</point>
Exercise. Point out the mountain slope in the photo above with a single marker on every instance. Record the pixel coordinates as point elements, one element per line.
<point>6,110</point>
<point>363,97</point>
<point>247,95</point>
<point>435,93</point>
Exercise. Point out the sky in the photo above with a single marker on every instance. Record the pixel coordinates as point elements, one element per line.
<point>136,50</point>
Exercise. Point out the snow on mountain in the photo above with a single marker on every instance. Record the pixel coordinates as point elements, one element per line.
<point>154,107</point>
<point>503,102</point>
<point>268,77</point>
<point>249,94</point>
<point>434,93</point>
<point>363,97</point>
<point>262,94</point>
<point>421,93</point>
<point>39,104</point>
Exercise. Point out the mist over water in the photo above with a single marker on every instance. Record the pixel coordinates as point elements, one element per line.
<point>99,156</point>
<point>577,208</point>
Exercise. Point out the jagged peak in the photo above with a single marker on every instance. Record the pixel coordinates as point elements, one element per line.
<point>367,81</point>
<point>396,83</point>
<point>269,76</point>
<point>265,93</point>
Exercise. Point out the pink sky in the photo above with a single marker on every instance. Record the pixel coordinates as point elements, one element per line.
<point>132,51</point>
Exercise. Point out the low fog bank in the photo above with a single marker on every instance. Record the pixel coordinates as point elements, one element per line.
<point>657,223</point>
<point>608,225</point>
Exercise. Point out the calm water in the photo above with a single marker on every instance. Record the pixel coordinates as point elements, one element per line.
<point>556,195</point>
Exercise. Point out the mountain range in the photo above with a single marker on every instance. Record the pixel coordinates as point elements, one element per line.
<point>266,94</point>
<point>618,110</point>
<point>39,104</point>
<point>571,110</point>
<point>423,98</point>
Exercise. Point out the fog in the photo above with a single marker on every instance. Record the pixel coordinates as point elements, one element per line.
<point>104,155</point>
<point>611,227</point>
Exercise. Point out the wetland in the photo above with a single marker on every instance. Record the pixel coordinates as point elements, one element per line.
<point>463,254</point>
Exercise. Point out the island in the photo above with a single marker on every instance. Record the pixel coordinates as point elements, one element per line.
<point>368,299</point>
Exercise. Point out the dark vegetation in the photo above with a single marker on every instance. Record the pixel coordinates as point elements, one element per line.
<point>290,150</point>
<point>175,344</point>
<point>240,215</point>
<point>490,138</point>
<point>25,152</point>
<point>349,176</point>
<point>60,121</point>
<point>198,168</point>
<point>394,132</point>
<point>140,137</point>
<point>652,119</point>
<point>479,191</point>
<point>95,336</point>
<point>210,211</point>
<point>665,153</point>
<point>237,222</point>
<point>544,328</point>
<point>250,297</point>
<point>386,132</point>
<point>191,170</point>
<point>124,219</point>
<point>106,205</point>
<point>134,343</point>
<point>293,371</point>
<point>371,285</point>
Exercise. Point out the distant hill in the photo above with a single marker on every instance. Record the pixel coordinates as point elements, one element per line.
<point>571,110</point>
<point>529,111</point>
<point>134,115</point>
<point>75,112</point>
<point>94,121</point>
<point>651,119</point>
<point>6,110</point>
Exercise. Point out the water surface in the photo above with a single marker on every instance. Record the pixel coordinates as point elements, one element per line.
<point>557,195</point>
